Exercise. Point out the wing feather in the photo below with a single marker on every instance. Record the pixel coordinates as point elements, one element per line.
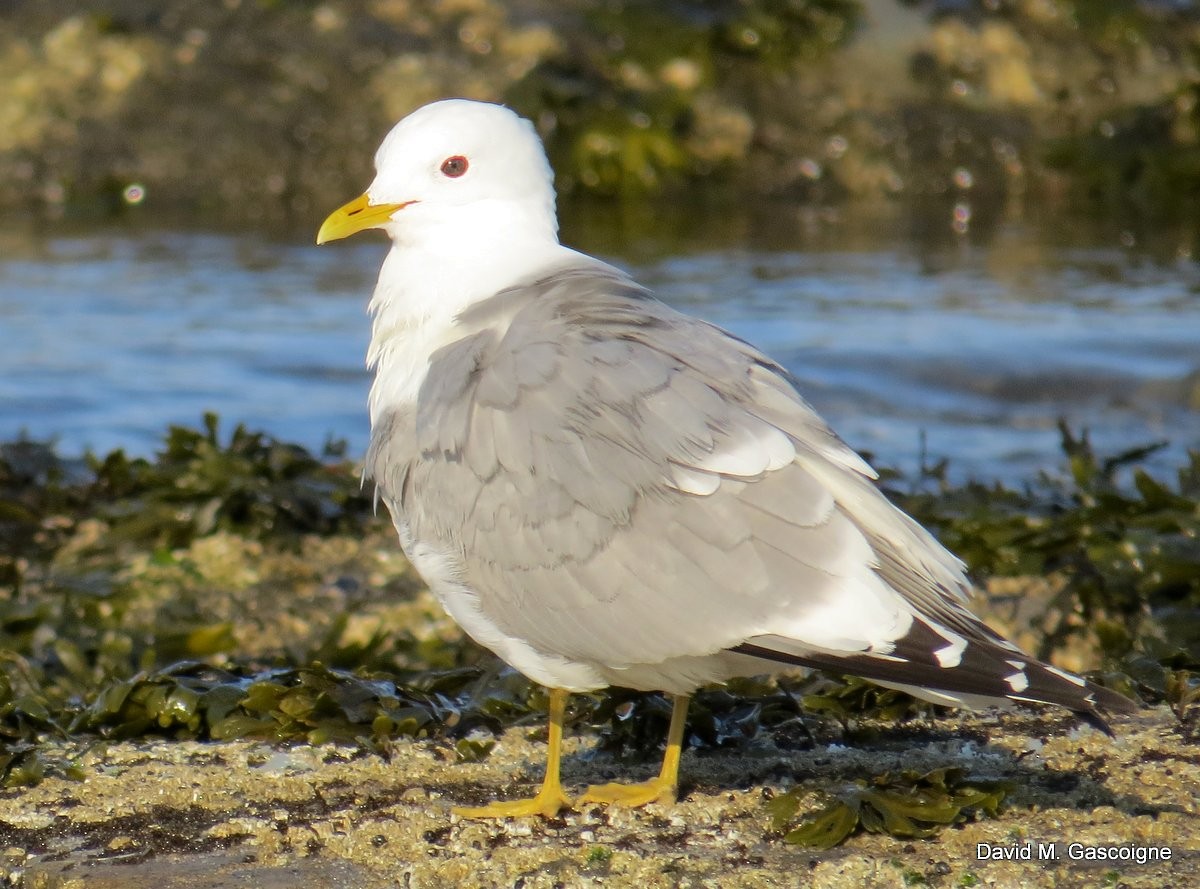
<point>626,464</point>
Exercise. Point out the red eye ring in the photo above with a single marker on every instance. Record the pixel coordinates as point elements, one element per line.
<point>453,167</point>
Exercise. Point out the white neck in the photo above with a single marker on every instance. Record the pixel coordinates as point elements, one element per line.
<point>436,269</point>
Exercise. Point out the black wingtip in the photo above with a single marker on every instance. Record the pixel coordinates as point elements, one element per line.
<point>1106,701</point>
<point>1095,720</point>
<point>985,670</point>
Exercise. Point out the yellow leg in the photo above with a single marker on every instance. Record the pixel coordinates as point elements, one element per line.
<point>550,798</point>
<point>662,789</point>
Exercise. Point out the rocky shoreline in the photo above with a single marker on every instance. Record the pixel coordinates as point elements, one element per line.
<point>252,113</point>
<point>244,814</point>
<point>219,667</point>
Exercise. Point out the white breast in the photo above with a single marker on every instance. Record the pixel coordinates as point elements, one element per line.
<point>417,300</point>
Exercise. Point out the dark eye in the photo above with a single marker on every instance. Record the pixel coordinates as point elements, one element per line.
<point>454,166</point>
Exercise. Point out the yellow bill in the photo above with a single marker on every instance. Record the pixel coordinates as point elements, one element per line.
<point>355,216</point>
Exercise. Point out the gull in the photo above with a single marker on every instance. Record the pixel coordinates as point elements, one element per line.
<point>605,491</point>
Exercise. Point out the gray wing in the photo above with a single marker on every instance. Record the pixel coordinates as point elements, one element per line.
<point>620,484</point>
<point>625,484</point>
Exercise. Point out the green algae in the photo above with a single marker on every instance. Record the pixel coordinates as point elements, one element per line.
<point>628,89</point>
<point>112,110</point>
<point>909,804</point>
<point>250,484</point>
<point>636,96</point>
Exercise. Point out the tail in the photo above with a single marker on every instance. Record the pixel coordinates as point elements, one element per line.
<point>966,667</point>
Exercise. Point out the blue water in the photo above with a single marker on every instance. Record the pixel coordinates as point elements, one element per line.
<point>107,337</point>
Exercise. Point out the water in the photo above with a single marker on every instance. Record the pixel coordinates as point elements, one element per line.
<point>975,347</point>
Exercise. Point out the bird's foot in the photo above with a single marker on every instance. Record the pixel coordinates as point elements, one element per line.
<point>656,790</point>
<point>548,803</point>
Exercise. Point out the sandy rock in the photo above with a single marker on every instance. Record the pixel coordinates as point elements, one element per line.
<point>174,814</point>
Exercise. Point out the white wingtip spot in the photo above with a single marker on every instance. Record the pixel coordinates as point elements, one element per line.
<point>951,655</point>
<point>1063,674</point>
<point>1018,681</point>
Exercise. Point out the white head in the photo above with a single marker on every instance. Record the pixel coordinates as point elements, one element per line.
<point>466,194</point>
<point>472,166</point>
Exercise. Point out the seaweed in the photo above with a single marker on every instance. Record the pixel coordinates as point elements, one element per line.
<point>250,484</point>
<point>1129,553</point>
<point>909,804</point>
<point>1182,694</point>
<point>313,703</point>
